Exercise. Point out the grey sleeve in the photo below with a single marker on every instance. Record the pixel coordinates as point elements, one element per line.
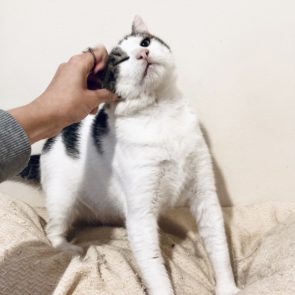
<point>15,148</point>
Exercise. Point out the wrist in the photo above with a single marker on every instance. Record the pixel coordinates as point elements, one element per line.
<point>37,122</point>
<point>47,122</point>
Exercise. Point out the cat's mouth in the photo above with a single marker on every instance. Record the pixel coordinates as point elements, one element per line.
<point>146,69</point>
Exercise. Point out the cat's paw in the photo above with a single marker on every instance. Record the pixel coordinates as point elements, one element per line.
<point>71,249</point>
<point>227,290</point>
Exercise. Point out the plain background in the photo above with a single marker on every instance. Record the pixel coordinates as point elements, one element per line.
<point>236,62</point>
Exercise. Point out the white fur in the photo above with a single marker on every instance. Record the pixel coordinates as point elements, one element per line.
<point>154,158</point>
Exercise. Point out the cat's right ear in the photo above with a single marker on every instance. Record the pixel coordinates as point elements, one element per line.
<point>138,26</point>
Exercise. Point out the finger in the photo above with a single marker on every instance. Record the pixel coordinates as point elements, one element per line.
<point>84,62</point>
<point>99,66</point>
<point>103,52</point>
<point>60,67</point>
<point>100,54</point>
<point>94,111</point>
<point>102,95</point>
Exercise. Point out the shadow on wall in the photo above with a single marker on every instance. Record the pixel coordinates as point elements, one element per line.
<point>221,186</point>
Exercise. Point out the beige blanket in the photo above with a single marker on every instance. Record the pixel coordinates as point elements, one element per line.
<point>261,237</point>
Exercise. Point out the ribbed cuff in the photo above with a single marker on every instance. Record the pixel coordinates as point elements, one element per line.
<point>15,148</point>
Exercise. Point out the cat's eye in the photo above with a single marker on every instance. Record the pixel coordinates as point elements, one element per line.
<point>145,42</point>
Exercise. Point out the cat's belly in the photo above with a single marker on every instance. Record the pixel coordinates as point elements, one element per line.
<point>106,201</point>
<point>110,179</point>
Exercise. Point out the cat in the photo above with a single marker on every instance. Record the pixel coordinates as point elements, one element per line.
<point>133,160</point>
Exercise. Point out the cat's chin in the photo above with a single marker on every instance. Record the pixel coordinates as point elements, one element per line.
<point>131,106</point>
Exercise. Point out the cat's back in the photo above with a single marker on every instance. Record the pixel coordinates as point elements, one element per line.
<point>65,156</point>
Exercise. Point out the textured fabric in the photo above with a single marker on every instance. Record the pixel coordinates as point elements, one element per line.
<point>15,147</point>
<point>262,243</point>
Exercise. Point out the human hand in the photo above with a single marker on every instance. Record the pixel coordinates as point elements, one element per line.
<point>67,94</point>
<point>66,100</point>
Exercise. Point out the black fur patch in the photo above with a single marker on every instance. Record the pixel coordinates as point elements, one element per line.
<point>100,128</point>
<point>70,138</point>
<point>32,171</point>
<point>146,35</point>
<point>48,145</point>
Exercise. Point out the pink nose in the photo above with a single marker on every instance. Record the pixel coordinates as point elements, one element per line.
<point>143,54</point>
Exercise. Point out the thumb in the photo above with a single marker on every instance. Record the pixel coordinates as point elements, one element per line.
<point>102,95</point>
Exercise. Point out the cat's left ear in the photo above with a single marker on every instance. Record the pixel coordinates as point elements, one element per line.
<point>138,25</point>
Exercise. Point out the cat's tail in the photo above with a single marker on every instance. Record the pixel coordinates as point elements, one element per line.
<point>31,174</point>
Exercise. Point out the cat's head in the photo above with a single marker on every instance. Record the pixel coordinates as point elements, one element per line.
<point>149,64</point>
<point>140,68</point>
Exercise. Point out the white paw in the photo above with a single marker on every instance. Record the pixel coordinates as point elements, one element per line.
<point>227,290</point>
<point>70,249</point>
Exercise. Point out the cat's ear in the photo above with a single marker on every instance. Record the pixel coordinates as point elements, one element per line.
<point>138,26</point>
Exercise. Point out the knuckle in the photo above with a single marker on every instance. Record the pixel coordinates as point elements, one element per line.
<point>101,50</point>
<point>76,59</point>
<point>103,93</point>
<point>100,47</point>
<point>61,66</point>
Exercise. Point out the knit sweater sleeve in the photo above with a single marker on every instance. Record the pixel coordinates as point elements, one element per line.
<point>15,147</point>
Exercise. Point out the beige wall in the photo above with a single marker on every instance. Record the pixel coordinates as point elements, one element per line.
<point>236,63</point>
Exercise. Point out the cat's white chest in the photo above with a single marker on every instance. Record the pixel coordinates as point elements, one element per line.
<point>156,145</point>
<point>144,150</point>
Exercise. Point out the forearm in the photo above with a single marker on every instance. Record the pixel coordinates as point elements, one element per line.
<point>15,146</point>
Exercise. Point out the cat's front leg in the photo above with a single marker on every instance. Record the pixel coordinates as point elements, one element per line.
<point>207,211</point>
<point>60,203</point>
<point>143,237</point>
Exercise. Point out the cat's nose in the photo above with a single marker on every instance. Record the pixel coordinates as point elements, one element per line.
<point>143,54</point>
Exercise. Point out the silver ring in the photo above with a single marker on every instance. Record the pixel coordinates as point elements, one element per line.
<point>90,50</point>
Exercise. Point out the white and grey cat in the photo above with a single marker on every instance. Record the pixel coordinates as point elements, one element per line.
<point>132,161</point>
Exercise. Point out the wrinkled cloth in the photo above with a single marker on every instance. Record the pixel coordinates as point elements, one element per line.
<point>261,240</point>
<point>15,148</point>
